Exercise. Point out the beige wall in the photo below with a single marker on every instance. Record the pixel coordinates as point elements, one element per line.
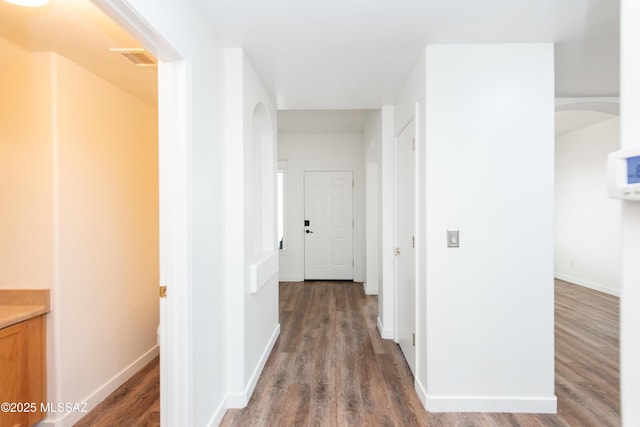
<point>9,54</point>
<point>108,228</point>
<point>26,195</point>
<point>81,158</point>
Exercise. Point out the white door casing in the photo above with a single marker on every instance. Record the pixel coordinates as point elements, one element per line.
<point>328,239</point>
<point>405,242</point>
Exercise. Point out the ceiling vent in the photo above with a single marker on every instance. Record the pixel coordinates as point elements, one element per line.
<point>138,57</point>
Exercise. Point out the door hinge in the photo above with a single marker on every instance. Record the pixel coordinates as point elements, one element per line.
<point>163,291</point>
<point>414,340</point>
<point>413,241</point>
<point>414,144</point>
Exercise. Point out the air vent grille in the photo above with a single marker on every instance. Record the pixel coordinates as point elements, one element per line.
<point>137,57</point>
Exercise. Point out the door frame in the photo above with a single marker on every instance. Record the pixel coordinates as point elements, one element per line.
<point>174,115</point>
<point>353,213</point>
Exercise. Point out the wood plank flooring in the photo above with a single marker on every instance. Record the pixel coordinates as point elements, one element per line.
<point>134,403</point>
<point>330,368</point>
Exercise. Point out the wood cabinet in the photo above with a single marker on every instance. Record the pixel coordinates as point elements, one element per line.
<point>23,372</point>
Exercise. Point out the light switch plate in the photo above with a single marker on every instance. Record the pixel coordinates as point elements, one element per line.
<point>453,238</point>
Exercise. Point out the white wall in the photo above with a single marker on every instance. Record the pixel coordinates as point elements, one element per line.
<point>489,173</point>
<point>587,221</point>
<point>386,296</point>
<point>261,306</point>
<point>252,317</point>
<point>372,137</point>
<point>206,131</point>
<point>630,226</point>
<point>320,151</point>
<point>86,194</point>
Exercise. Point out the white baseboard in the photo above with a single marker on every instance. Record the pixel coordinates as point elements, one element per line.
<point>587,284</point>
<point>385,333</point>
<point>370,290</point>
<point>236,400</point>
<point>285,278</point>
<point>532,405</point>
<point>218,414</point>
<point>67,419</point>
<point>483,404</point>
<point>240,400</point>
<point>422,392</point>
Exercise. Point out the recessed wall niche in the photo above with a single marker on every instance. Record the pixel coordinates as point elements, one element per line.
<point>260,193</point>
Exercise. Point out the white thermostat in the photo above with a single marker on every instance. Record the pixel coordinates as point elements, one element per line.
<point>623,174</point>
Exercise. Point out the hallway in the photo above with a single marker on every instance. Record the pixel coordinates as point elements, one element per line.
<point>331,368</point>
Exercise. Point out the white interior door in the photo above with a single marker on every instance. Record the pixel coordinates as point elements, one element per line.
<point>176,375</point>
<point>405,242</point>
<point>328,238</point>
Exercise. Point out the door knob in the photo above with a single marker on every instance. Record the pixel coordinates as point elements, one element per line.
<point>397,251</point>
<point>308,231</point>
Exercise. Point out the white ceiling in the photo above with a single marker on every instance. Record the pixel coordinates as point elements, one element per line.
<point>569,121</point>
<point>338,54</point>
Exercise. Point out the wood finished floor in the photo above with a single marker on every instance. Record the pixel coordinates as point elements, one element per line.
<point>330,368</point>
<point>136,403</point>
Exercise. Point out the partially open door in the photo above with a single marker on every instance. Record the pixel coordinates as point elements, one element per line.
<point>405,242</point>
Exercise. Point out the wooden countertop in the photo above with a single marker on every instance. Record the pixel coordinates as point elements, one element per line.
<point>17,305</point>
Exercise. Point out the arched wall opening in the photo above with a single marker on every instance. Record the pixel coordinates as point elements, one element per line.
<point>260,188</point>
